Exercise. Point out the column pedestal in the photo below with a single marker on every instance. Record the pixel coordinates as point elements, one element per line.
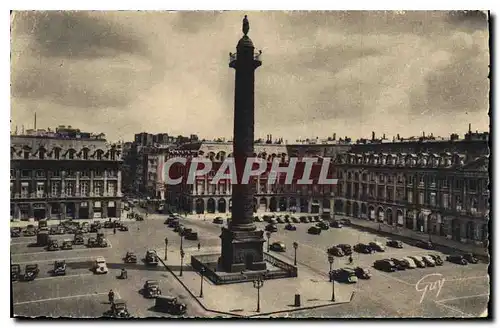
<point>242,250</point>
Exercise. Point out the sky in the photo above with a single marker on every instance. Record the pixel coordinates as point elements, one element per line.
<point>343,72</point>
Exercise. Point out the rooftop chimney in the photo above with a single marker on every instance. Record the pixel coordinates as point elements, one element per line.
<point>383,136</point>
<point>334,136</point>
<point>398,137</point>
<point>469,128</point>
<point>373,135</point>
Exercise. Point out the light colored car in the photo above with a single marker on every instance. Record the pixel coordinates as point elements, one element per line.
<point>429,261</point>
<point>411,263</point>
<point>100,266</point>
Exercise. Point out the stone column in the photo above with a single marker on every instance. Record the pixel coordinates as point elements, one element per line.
<point>299,208</point>
<point>119,183</point>
<point>414,213</point>
<point>63,211</point>
<point>309,205</point>
<point>463,231</point>
<point>91,183</point>
<point>77,210</point>
<point>48,210</point>
<point>77,183</point>
<point>104,208</point>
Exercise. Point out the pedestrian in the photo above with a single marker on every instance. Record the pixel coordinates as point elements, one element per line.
<point>114,231</point>
<point>350,259</point>
<point>199,246</point>
<point>111,296</point>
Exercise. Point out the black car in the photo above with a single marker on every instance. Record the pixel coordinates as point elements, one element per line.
<point>346,275</point>
<point>469,257</point>
<point>108,225</point>
<point>130,257</point>
<point>314,230</point>
<point>336,224</point>
<point>31,272</point>
<point>271,227</point>
<point>376,246</point>
<point>436,259</point>
<point>295,219</point>
<point>303,219</point>
<point>151,289</point>
<point>457,259</point>
<point>322,225</point>
<point>279,219</point>
<point>346,248</point>
<point>15,272</point>
<point>151,258</point>
<point>345,222</point>
<point>218,220</point>
<point>362,273</point>
<point>385,265</point>
<point>278,246</point>
<point>290,227</point>
<point>425,244</point>
<point>363,248</point>
<point>59,268</point>
<point>394,243</point>
<point>191,235</point>
<point>123,227</point>
<point>401,264</point>
<point>335,251</point>
<point>15,233</point>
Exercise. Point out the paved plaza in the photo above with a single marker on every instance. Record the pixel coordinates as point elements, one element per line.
<point>81,293</point>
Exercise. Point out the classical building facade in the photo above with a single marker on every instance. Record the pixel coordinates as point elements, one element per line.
<point>433,187</point>
<point>64,175</point>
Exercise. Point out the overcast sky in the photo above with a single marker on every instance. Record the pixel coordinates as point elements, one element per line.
<point>323,72</point>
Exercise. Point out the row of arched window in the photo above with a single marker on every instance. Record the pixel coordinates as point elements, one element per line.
<point>59,153</point>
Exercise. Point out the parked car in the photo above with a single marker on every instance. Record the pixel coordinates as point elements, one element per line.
<point>273,221</point>
<point>151,258</point>
<point>170,305</point>
<point>278,246</point>
<point>322,225</point>
<point>91,242</point>
<point>119,309</point>
<point>29,232</point>
<point>108,225</point>
<point>411,263</point>
<point>151,289</point>
<point>53,245</point>
<point>310,219</point>
<point>123,227</point>
<point>336,251</point>
<point>345,222</point>
<point>191,235</point>
<point>31,271</point>
<point>280,220</point>
<point>347,249</point>
<point>394,243</point>
<point>469,257</point>
<point>346,275</point>
<point>130,257</point>
<point>218,220</point>
<point>363,248</point>
<point>457,259</point>
<point>94,227</point>
<point>257,219</point>
<point>100,266</point>
<point>362,273</point>
<point>314,230</point>
<point>303,219</point>
<point>67,244</point>
<point>418,261</point>
<point>59,268</point>
<point>15,232</point>
<point>428,261</point>
<point>290,227</point>
<point>425,244</point>
<point>336,224</point>
<point>436,259</point>
<point>287,219</point>
<point>295,219</point>
<point>401,264</point>
<point>271,227</point>
<point>78,239</point>
<point>61,230</point>
<point>174,224</point>
<point>385,265</point>
<point>377,246</point>
<point>15,272</point>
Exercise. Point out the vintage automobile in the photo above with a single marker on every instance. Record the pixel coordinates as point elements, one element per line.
<point>94,227</point>
<point>60,230</point>
<point>425,244</point>
<point>310,219</point>
<point>457,259</point>
<point>363,248</point>
<point>346,248</point>
<point>15,272</point>
<point>345,222</point>
<point>362,273</point>
<point>170,304</point>
<point>191,235</point>
<point>151,289</point>
<point>401,264</point>
<point>317,218</point>
<point>123,227</point>
<point>53,230</point>
<point>437,259</point>
<point>139,217</point>
<point>469,257</point>
<point>322,225</point>
<point>271,228</point>
<point>273,221</point>
<point>346,275</point>
<point>335,251</point>
<point>290,227</point>
<point>278,246</point>
<point>29,232</point>
<point>31,271</point>
<point>385,265</point>
<point>295,219</point>
<point>119,309</point>
<point>336,224</point>
<point>91,242</point>
<point>257,219</point>
<point>377,246</point>
<point>130,257</point>
<point>174,224</point>
<point>59,268</point>
<point>394,243</point>
<point>42,224</point>
<point>303,219</point>
<point>418,261</point>
<point>287,219</point>
<point>429,261</point>
<point>178,228</point>
<point>78,239</point>
<point>67,244</point>
<point>151,258</point>
<point>280,220</point>
<point>411,263</point>
<point>108,225</point>
<point>100,266</point>
<point>169,219</point>
<point>101,241</point>
<point>15,232</point>
<point>184,231</point>
<point>53,245</point>
<point>84,228</point>
<point>314,230</point>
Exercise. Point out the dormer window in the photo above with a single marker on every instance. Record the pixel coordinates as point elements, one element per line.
<point>85,153</point>
<point>57,153</point>
<point>26,154</point>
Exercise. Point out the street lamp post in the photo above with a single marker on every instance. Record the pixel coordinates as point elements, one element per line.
<point>330,260</point>
<point>182,261</point>
<point>295,246</point>
<point>202,271</point>
<point>258,283</point>
<point>166,246</point>
<point>268,235</point>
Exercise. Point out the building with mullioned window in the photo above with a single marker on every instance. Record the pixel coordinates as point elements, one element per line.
<point>64,174</point>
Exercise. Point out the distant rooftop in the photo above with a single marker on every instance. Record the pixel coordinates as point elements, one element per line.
<point>60,132</point>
